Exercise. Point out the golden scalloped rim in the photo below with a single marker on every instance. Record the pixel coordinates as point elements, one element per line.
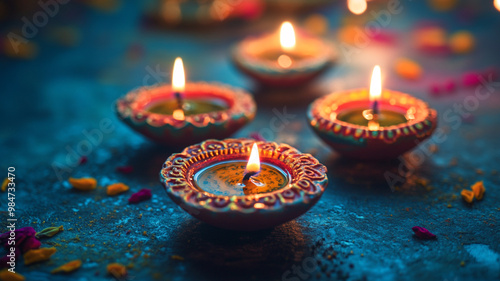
<point>243,105</point>
<point>321,110</point>
<point>308,177</point>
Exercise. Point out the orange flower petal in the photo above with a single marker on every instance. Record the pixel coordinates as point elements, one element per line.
<point>38,255</point>
<point>6,275</point>
<point>83,184</point>
<point>478,189</point>
<point>116,188</point>
<point>117,270</point>
<point>68,267</point>
<point>467,195</point>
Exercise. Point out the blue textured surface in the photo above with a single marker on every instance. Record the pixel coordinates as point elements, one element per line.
<point>360,229</point>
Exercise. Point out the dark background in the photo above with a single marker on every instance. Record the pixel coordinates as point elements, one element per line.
<point>88,55</point>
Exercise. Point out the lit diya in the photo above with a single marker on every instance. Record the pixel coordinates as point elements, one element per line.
<point>286,59</point>
<point>372,124</point>
<point>181,113</point>
<point>241,184</point>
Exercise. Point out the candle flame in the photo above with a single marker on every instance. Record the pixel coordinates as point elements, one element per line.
<point>376,84</point>
<point>287,36</point>
<point>497,4</point>
<point>178,114</point>
<point>178,76</point>
<point>253,165</point>
<point>357,7</point>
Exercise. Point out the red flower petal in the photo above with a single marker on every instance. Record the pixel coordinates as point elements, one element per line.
<point>125,169</point>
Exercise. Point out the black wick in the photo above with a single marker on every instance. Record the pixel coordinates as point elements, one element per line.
<point>375,109</point>
<point>249,175</point>
<point>179,99</point>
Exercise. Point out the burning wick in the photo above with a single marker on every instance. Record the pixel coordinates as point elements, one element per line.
<point>178,83</point>
<point>253,165</point>
<point>287,42</point>
<point>375,89</point>
<point>375,92</point>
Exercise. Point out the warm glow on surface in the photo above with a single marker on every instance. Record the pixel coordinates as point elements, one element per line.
<point>178,114</point>
<point>253,165</point>
<point>497,4</point>
<point>376,84</point>
<point>373,125</point>
<point>284,61</point>
<point>178,77</point>
<point>357,7</point>
<point>287,36</point>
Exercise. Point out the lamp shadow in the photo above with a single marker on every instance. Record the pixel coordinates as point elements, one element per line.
<point>218,254</point>
<point>148,159</point>
<point>394,176</point>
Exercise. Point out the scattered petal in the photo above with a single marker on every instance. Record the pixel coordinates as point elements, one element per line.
<point>432,40</point>
<point>408,69</point>
<point>141,195</point>
<point>125,169</point>
<point>26,50</point>
<point>38,255</point>
<point>4,184</point>
<point>29,244</point>
<point>49,231</point>
<point>467,195</point>
<point>6,275</point>
<point>117,270</point>
<point>462,42</point>
<point>423,233</point>
<point>316,24</point>
<point>116,188</point>
<point>471,79</point>
<point>443,5</point>
<point>256,136</point>
<point>68,267</point>
<point>176,257</point>
<point>478,189</point>
<point>83,184</point>
<point>21,235</point>
<point>83,160</point>
<point>434,90</point>
<point>450,86</point>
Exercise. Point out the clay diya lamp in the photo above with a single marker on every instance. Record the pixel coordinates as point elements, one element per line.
<point>181,114</point>
<point>241,184</point>
<point>372,124</point>
<point>283,60</point>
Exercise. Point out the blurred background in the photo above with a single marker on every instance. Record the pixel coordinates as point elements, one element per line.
<point>65,62</point>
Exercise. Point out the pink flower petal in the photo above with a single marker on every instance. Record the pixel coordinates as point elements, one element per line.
<point>423,233</point>
<point>141,195</point>
<point>256,136</point>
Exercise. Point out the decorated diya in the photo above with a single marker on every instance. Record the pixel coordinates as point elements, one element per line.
<point>286,59</point>
<point>181,113</point>
<point>372,124</point>
<point>241,184</point>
